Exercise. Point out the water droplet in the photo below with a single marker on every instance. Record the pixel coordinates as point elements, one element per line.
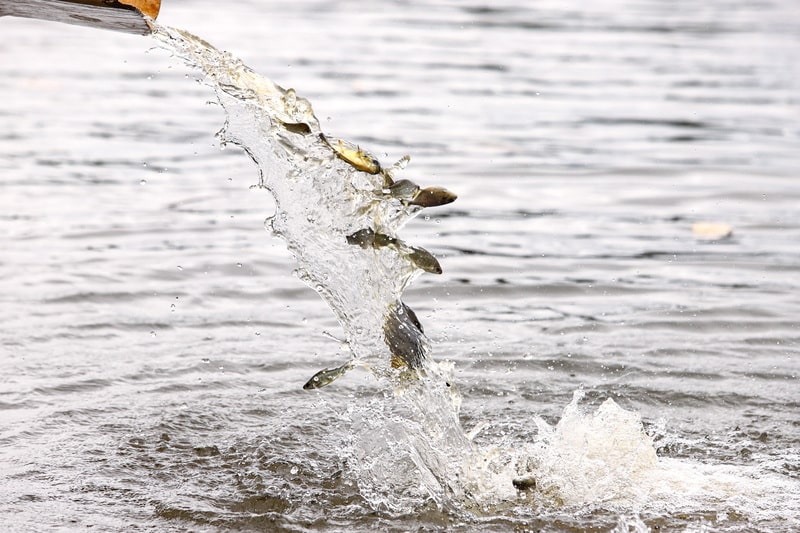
<point>172,307</point>
<point>152,333</point>
<point>294,470</point>
<point>180,267</point>
<point>258,333</point>
<point>142,181</point>
<point>205,360</point>
<point>239,265</point>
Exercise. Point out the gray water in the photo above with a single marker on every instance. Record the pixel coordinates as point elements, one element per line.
<point>154,341</point>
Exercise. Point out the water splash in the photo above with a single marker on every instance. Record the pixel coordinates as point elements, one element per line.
<point>338,208</point>
<point>603,459</point>
<point>339,211</point>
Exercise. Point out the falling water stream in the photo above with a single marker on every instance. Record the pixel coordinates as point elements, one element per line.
<point>340,222</point>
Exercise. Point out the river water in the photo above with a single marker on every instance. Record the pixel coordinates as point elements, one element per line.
<point>154,340</point>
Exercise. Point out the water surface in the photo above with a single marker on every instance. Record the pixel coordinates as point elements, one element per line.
<point>154,341</point>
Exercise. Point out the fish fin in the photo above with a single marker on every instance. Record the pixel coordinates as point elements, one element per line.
<point>397,361</point>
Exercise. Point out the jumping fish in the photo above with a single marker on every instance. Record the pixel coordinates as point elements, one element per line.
<point>410,193</point>
<point>419,257</point>
<point>423,259</point>
<point>367,238</point>
<point>402,330</point>
<point>402,333</point>
<point>433,197</point>
<point>353,154</point>
<point>404,190</point>
<point>327,376</point>
<point>363,238</point>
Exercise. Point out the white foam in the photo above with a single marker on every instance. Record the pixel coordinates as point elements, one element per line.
<point>604,458</point>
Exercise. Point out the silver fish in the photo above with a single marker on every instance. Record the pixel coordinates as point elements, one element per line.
<point>327,376</point>
<point>402,333</point>
<point>423,259</point>
<point>353,154</point>
<point>363,238</point>
<point>433,197</point>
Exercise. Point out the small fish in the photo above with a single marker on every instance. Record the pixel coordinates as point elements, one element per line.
<point>424,260</point>
<point>433,197</point>
<point>419,257</point>
<point>404,337</point>
<point>353,154</point>
<point>366,238</point>
<point>363,238</point>
<point>326,377</point>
